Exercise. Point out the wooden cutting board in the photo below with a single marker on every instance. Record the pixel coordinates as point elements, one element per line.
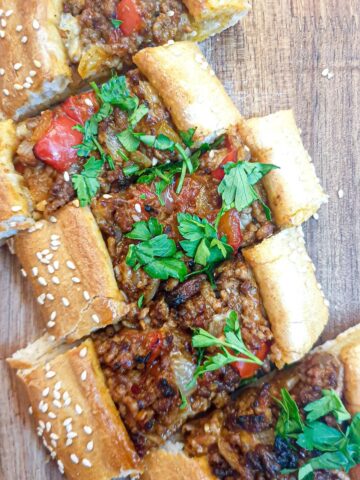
<point>273,60</point>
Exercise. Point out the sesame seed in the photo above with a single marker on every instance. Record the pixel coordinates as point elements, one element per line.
<point>9,13</point>
<point>87,463</point>
<point>44,407</point>
<point>74,458</point>
<point>53,219</point>
<point>54,443</point>
<point>67,421</point>
<point>16,208</point>
<point>49,256</point>
<point>27,85</point>
<point>86,295</point>
<point>56,395</point>
<point>70,265</point>
<point>68,442</point>
<point>24,39</point>
<point>71,434</point>
<point>88,430</point>
<point>41,424</point>
<point>48,426</point>
<point>83,375</point>
<point>68,428</point>
<point>66,176</point>
<point>55,280</point>
<point>35,24</point>
<point>41,299</point>
<point>83,352</point>
<point>58,385</point>
<point>340,193</point>
<point>52,415</point>
<point>90,446</point>
<point>61,466</point>
<point>78,409</point>
<point>2,72</point>
<point>95,318</point>
<point>19,28</point>
<point>6,92</point>
<point>56,403</point>
<point>52,338</point>
<point>17,66</point>
<point>29,80</point>
<point>54,436</point>
<point>50,324</point>
<point>45,392</point>
<point>42,281</point>
<point>76,279</point>
<point>23,273</point>
<point>35,271</point>
<point>18,87</point>
<point>66,395</point>
<point>30,410</point>
<point>50,374</point>
<point>56,264</point>
<point>107,196</point>
<point>170,13</point>
<point>32,73</point>
<point>138,207</point>
<point>51,269</point>
<point>47,367</point>
<point>45,251</point>
<point>65,301</point>
<point>67,402</point>
<point>3,22</point>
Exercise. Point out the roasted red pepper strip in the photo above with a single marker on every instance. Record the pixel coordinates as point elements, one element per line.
<point>56,147</point>
<point>127,11</point>
<point>230,226</point>
<point>230,157</point>
<point>81,107</point>
<point>248,370</point>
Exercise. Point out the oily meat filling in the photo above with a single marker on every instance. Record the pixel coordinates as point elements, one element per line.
<point>151,23</point>
<point>148,370</point>
<point>239,441</point>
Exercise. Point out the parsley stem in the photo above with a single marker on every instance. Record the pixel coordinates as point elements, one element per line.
<point>182,178</point>
<point>184,156</point>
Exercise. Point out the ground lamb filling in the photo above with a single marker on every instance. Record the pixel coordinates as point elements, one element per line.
<point>161,21</point>
<point>148,370</point>
<point>239,440</point>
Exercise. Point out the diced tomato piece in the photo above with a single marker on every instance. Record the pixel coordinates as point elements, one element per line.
<point>230,226</point>
<point>154,343</point>
<point>56,146</point>
<point>81,107</point>
<point>230,157</point>
<point>247,370</point>
<point>127,11</point>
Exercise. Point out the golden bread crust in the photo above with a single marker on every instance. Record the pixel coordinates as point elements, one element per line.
<point>189,88</point>
<point>34,52</point>
<point>15,205</point>
<point>77,418</point>
<point>293,301</point>
<point>293,191</point>
<point>71,273</point>
<point>175,466</point>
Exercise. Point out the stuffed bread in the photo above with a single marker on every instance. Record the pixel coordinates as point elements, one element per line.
<point>261,435</point>
<point>151,369</point>
<point>50,46</point>
<point>145,179</point>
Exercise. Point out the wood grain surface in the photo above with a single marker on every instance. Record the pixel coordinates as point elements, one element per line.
<point>273,60</point>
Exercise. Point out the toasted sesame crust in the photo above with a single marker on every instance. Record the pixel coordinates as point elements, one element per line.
<point>70,269</point>
<point>35,66</point>
<point>76,417</point>
<point>292,298</point>
<point>15,204</point>
<point>293,191</point>
<point>189,88</point>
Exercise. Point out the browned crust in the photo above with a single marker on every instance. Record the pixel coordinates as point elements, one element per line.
<point>189,88</point>
<point>42,56</point>
<point>71,390</point>
<point>15,205</point>
<point>293,301</point>
<point>164,465</point>
<point>71,273</point>
<point>293,191</point>
<point>347,347</point>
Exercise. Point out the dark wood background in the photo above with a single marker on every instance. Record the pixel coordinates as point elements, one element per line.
<point>273,60</point>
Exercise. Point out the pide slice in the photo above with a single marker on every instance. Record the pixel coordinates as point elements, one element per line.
<point>51,46</point>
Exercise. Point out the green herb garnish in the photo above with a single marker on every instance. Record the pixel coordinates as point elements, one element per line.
<point>140,302</point>
<point>336,450</point>
<point>156,253</point>
<point>237,187</point>
<point>87,184</point>
<point>184,402</point>
<point>115,23</point>
<point>233,342</point>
